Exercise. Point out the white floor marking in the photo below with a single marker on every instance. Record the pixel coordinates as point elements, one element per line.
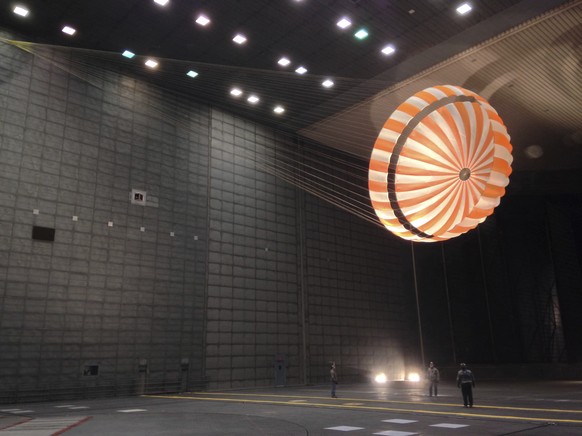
<point>66,405</point>
<point>42,426</point>
<point>353,404</point>
<point>399,421</point>
<point>444,425</point>
<point>344,428</point>
<point>78,407</point>
<point>16,411</point>
<point>132,410</point>
<point>297,401</point>
<point>395,433</point>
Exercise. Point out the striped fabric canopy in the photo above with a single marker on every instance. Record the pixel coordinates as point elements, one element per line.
<point>440,164</point>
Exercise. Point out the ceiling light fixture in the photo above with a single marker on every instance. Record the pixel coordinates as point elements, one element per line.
<point>128,54</point>
<point>279,109</point>
<point>344,23</point>
<point>236,92</point>
<point>203,20</point>
<point>69,30</point>
<point>464,8</point>
<point>301,70</point>
<point>388,50</point>
<point>239,39</point>
<point>19,10</point>
<point>327,83</point>
<point>151,63</point>
<point>361,34</point>
<point>162,2</point>
<point>283,61</point>
<point>192,73</point>
<point>253,99</point>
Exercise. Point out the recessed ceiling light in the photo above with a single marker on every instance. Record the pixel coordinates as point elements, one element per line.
<point>253,99</point>
<point>162,2</point>
<point>128,54</point>
<point>344,23</point>
<point>203,20</point>
<point>283,62</point>
<point>412,11</point>
<point>19,10</point>
<point>69,30</point>
<point>192,73</point>
<point>361,34</point>
<point>388,50</point>
<point>239,39</point>
<point>327,83</point>
<point>236,92</point>
<point>464,8</point>
<point>151,63</point>
<point>279,109</point>
<point>301,70</point>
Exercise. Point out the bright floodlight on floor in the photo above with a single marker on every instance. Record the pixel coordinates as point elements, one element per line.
<point>380,378</point>
<point>69,30</point>
<point>301,70</point>
<point>414,377</point>
<point>128,54</point>
<point>236,92</point>
<point>19,10</point>
<point>192,73</point>
<point>253,99</point>
<point>464,8</point>
<point>279,109</point>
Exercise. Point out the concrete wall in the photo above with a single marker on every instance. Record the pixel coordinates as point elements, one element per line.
<point>226,274</point>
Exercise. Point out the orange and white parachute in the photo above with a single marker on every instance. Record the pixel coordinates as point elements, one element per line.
<point>440,165</point>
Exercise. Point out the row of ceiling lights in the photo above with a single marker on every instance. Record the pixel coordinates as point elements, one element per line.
<point>203,20</point>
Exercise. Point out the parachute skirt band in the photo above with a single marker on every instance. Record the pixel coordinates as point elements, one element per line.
<point>440,165</point>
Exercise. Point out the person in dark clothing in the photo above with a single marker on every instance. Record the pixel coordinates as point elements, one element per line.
<point>433,377</point>
<point>333,377</point>
<point>466,381</point>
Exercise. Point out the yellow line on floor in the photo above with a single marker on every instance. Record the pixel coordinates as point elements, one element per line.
<point>375,408</point>
<point>365,400</point>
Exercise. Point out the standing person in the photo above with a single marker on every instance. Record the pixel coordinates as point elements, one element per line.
<point>333,377</point>
<point>466,381</point>
<point>433,377</point>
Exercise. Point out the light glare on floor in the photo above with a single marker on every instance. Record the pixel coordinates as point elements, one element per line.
<point>19,10</point>
<point>253,99</point>
<point>162,2</point>
<point>236,92</point>
<point>414,377</point>
<point>192,73</point>
<point>380,378</point>
<point>128,54</point>
<point>279,110</point>
<point>327,83</point>
<point>301,70</point>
